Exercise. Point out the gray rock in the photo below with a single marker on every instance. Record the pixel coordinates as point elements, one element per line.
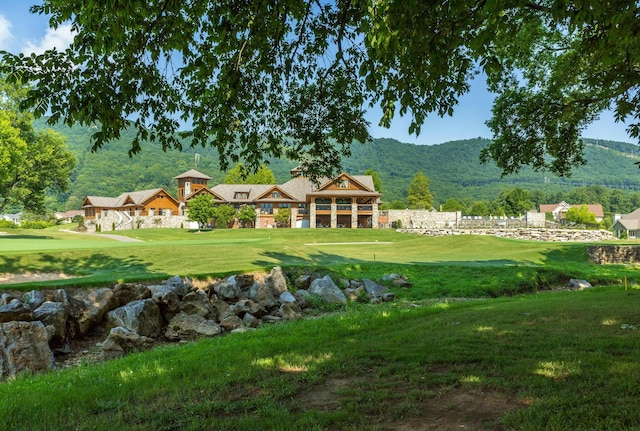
<point>388,297</point>
<point>290,311</point>
<point>53,314</point>
<point>326,289</point>
<point>94,305</point>
<point>373,289</point>
<point>229,323</point>
<point>579,284</point>
<point>197,302</point>
<point>167,299</point>
<point>220,308</point>
<point>228,289</point>
<point>122,341</point>
<point>129,292</point>
<point>303,297</point>
<point>15,310</point>
<point>244,306</point>
<point>250,320</point>
<point>24,348</point>
<point>33,298</point>
<point>287,297</point>
<point>277,281</point>
<point>178,285</point>
<point>264,297</point>
<point>191,326</point>
<point>142,317</point>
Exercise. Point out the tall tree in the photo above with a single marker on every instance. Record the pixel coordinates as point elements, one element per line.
<point>515,202</point>
<point>259,78</point>
<point>201,209</point>
<point>419,195</point>
<point>241,175</point>
<point>31,163</point>
<point>377,182</point>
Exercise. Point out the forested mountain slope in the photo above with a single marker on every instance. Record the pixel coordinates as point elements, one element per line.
<point>453,168</point>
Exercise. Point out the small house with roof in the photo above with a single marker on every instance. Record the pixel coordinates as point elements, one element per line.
<point>628,225</point>
<point>559,211</point>
<point>153,202</point>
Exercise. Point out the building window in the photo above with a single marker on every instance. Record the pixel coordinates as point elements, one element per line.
<point>241,195</point>
<point>343,184</point>
<point>284,205</point>
<point>160,196</point>
<point>323,201</point>
<point>160,210</point>
<point>266,208</point>
<point>275,195</point>
<point>302,209</point>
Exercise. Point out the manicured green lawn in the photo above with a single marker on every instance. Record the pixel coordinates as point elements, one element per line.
<point>167,252</point>
<point>480,327</point>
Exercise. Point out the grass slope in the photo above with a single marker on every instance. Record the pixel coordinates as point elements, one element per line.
<point>552,360</point>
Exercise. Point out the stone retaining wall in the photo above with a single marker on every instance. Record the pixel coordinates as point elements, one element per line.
<point>558,235</point>
<point>603,254</point>
<point>112,222</point>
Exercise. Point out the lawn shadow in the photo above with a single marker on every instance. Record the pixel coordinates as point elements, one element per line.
<point>85,270</point>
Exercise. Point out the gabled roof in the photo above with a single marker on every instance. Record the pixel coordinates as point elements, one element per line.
<point>228,191</point>
<point>192,173</point>
<point>630,222</point>
<point>204,190</point>
<point>125,199</point>
<point>596,209</point>
<point>284,195</point>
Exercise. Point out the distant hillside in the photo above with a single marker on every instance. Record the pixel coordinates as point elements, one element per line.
<point>453,168</point>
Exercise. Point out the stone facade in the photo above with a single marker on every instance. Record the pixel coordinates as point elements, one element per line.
<point>425,219</point>
<point>117,220</point>
<point>555,235</point>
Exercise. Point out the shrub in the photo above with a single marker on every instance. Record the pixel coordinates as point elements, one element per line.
<point>7,224</point>
<point>35,224</point>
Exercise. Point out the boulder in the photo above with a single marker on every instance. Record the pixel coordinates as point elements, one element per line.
<point>220,309</point>
<point>287,297</point>
<point>142,317</point>
<point>191,326</point>
<point>250,321</point>
<point>277,281</point>
<point>303,298</point>
<point>327,290</point>
<point>197,302</point>
<point>129,292</point>
<point>228,289</point>
<point>24,347</point>
<point>290,311</point>
<point>579,284</point>
<point>244,306</point>
<point>53,314</point>
<point>95,304</point>
<point>180,286</point>
<point>231,322</point>
<point>15,310</point>
<point>372,288</point>
<point>33,298</point>
<point>264,297</point>
<point>167,299</point>
<point>122,341</point>
<point>388,297</point>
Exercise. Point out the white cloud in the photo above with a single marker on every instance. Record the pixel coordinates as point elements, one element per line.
<point>5,33</point>
<point>59,38</point>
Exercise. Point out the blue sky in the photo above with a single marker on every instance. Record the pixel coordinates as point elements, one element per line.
<point>21,31</point>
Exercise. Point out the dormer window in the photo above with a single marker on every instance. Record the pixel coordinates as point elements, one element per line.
<point>241,195</point>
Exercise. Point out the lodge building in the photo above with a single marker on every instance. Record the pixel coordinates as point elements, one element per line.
<point>347,201</point>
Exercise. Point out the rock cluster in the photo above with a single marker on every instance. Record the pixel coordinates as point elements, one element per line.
<point>136,316</point>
